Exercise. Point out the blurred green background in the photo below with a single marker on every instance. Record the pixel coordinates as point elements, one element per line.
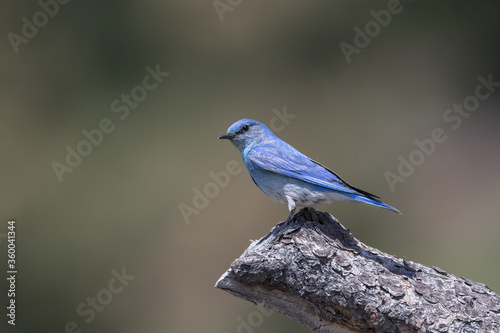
<point>119,208</point>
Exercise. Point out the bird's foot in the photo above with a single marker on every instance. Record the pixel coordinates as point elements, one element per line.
<point>279,229</point>
<point>282,225</point>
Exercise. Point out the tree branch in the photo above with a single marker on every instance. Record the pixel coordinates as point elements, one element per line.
<point>318,274</point>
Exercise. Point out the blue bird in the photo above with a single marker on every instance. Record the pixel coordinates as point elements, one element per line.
<point>288,176</point>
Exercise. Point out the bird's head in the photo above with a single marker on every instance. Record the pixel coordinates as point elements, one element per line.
<point>247,133</point>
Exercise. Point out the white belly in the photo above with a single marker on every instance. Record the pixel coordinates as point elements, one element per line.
<point>281,188</point>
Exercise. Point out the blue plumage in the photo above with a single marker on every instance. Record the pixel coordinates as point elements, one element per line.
<point>288,176</point>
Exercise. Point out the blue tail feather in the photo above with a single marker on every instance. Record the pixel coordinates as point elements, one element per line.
<point>373,202</point>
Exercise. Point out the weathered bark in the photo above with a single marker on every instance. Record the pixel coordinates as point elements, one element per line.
<point>318,274</point>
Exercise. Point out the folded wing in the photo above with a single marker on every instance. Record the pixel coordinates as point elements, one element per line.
<point>290,162</point>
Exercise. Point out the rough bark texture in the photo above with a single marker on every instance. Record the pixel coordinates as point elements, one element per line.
<point>318,274</point>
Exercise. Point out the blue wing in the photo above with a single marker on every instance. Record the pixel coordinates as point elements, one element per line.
<point>290,162</point>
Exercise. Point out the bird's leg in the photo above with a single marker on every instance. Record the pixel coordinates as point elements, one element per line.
<point>281,227</point>
<point>289,218</point>
<point>291,207</point>
<point>278,230</point>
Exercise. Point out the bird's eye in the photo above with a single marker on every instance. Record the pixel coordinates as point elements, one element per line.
<point>245,128</point>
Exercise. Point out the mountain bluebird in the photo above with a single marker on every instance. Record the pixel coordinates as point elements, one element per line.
<point>288,176</point>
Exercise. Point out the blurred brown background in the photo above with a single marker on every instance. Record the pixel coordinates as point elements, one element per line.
<point>119,208</point>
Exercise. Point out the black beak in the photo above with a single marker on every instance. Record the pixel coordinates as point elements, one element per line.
<point>229,136</point>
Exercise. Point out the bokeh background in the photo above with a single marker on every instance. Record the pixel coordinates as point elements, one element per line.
<point>119,209</point>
